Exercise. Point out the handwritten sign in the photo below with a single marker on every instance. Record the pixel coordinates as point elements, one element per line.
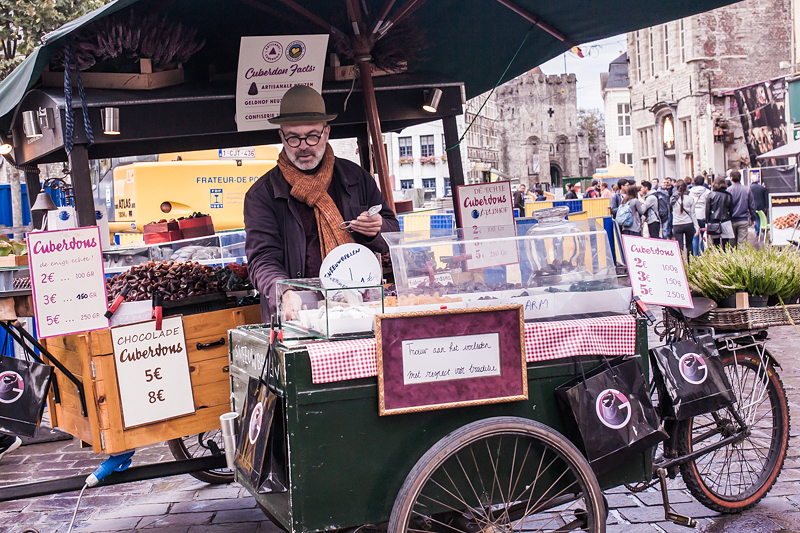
<point>446,358</point>
<point>487,213</point>
<point>536,306</point>
<point>350,265</point>
<point>656,271</point>
<point>152,371</point>
<point>69,289</point>
<point>270,66</point>
<point>442,278</point>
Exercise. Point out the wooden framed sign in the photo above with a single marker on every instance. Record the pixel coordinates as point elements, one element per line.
<point>451,358</point>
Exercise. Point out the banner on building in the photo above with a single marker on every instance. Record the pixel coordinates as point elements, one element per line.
<point>762,111</point>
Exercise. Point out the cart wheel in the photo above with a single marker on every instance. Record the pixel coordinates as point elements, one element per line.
<point>736,477</point>
<point>201,445</point>
<point>500,474</point>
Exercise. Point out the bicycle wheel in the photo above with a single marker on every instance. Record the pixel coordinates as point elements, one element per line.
<point>200,445</point>
<point>735,477</point>
<point>500,474</point>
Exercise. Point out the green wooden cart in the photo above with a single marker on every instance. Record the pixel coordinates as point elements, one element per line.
<point>481,468</point>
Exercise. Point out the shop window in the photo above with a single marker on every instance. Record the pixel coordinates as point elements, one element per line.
<point>406,184</point>
<point>447,191</point>
<point>429,184</point>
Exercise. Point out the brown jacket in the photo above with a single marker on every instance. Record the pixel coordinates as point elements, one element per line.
<point>276,242</point>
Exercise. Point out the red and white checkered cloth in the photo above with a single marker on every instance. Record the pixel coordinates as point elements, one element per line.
<point>613,335</point>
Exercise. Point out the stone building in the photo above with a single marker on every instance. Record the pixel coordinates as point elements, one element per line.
<point>481,141</point>
<point>683,77</point>
<point>537,128</point>
<point>617,110</point>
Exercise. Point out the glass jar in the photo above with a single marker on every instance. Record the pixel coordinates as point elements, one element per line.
<point>559,252</point>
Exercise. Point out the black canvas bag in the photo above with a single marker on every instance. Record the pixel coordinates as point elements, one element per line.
<point>608,413</point>
<point>690,377</point>
<point>23,393</point>
<point>260,451</point>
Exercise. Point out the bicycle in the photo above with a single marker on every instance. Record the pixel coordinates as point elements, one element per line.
<point>729,459</point>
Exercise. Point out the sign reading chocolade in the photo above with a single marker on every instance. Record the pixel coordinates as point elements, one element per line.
<point>152,371</point>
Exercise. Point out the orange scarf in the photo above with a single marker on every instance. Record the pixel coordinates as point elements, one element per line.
<point>312,190</point>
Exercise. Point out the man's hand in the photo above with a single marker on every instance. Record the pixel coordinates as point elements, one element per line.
<point>291,305</point>
<point>367,225</point>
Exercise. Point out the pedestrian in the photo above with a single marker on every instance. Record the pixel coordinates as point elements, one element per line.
<point>604,190</point>
<point>743,214</point>
<point>651,210</point>
<point>632,203</point>
<point>719,206</point>
<point>539,195</point>
<point>571,194</point>
<point>684,219</point>
<point>761,198</point>
<point>689,182</point>
<point>519,199</point>
<point>699,194</point>
<point>655,183</point>
<point>619,195</point>
<point>669,189</point>
<point>614,189</point>
<point>9,443</point>
<point>592,191</point>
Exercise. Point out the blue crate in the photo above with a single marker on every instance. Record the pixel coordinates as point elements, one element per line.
<point>575,206</point>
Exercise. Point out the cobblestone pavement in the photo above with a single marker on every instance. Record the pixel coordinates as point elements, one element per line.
<point>182,504</point>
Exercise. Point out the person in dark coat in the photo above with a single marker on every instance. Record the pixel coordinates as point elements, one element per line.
<point>719,206</point>
<point>571,195</point>
<point>519,199</point>
<point>292,214</point>
<point>761,198</point>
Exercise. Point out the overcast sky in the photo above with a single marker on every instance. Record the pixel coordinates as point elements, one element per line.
<point>598,55</point>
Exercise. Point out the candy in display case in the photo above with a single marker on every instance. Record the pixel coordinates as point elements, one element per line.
<point>306,307</point>
<point>557,268</point>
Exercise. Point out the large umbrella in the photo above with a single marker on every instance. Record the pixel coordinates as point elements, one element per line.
<point>477,42</point>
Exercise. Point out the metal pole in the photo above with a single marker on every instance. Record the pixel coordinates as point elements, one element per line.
<point>82,185</point>
<point>374,124</point>
<point>453,160</point>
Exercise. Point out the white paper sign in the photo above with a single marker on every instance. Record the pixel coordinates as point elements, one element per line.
<point>152,371</point>
<point>487,212</point>
<point>784,212</point>
<point>350,265</point>
<point>536,306</point>
<point>69,289</point>
<point>656,270</point>
<point>446,358</point>
<point>270,66</point>
<point>442,278</point>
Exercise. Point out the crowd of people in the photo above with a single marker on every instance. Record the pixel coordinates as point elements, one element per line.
<point>721,209</point>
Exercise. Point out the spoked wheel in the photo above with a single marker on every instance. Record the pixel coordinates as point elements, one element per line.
<point>500,475</point>
<point>201,445</point>
<point>736,477</point>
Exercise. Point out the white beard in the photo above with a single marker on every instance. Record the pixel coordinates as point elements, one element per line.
<point>308,164</point>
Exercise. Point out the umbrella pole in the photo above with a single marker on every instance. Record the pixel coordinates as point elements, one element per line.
<point>374,125</point>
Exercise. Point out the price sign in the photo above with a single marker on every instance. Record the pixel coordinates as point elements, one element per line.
<point>69,289</point>
<point>656,271</point>
<point>152,372</point>
<point>487,213</point>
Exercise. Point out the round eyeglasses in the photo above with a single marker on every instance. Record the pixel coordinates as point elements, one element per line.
<point>294,141</point>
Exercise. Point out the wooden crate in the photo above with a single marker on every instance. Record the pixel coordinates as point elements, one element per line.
<point>146,79</point>
<point>89,356</point>
<point>13,260</point>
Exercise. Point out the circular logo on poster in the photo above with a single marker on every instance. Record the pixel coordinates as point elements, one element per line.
<point>613,409</point>
<point>255,423</point>
<point>63,215</point>
<point>11,386</point>
<point>295,50</point>
<point>693,368</point>
<point>475,213</point>
<point>272,52</point>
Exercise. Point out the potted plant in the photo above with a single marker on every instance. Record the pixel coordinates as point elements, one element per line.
<point>428,160</point>
<point>406,160</point>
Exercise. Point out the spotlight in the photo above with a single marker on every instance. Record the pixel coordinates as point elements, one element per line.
<point>110,116</point>
<point>432,97</point>
<point>6,149</point>
<point>30,125</point>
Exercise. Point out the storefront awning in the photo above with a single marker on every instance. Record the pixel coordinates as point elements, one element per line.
<point>787,150</point>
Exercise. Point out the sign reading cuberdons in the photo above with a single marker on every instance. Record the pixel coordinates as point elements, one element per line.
<point>152,372</point>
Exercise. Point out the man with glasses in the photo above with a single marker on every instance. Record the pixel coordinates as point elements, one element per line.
<point>293,214</point>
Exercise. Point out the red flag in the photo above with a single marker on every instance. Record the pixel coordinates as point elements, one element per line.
<point>577,51</point>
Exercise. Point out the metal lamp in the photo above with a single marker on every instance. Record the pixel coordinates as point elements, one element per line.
<point>110,116</point>
<point>30,125</point>
<point>432,98</point>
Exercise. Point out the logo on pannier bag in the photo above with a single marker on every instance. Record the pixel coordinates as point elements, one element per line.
<point>11,386</point>
<point>255,423</point>
<point>693,368</point>
<point>613,409</point>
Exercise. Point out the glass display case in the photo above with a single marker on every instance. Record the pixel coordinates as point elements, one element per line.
<point>306,307</point>
<point>558,268</point>
<point>220,248</point>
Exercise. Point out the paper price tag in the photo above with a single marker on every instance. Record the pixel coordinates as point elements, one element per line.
<point>152,371</point>
<point>69,289</point>
<point>656,270</point>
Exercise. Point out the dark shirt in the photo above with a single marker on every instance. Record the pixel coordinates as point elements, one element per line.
<point>540,198</point>
<point>570,195</point>
<point>760,195</point>
<point>744,206</point>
